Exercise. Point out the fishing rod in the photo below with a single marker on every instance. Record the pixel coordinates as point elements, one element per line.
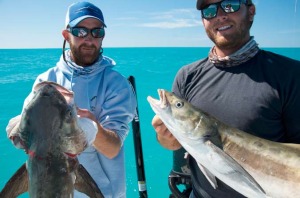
<point>138,148</point>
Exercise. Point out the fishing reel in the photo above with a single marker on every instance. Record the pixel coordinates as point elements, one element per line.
<point>179,179</point>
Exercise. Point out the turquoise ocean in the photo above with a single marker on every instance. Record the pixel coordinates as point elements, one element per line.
<point>152,68</point>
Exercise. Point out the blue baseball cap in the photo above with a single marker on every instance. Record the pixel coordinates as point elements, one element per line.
<point>82,10</point>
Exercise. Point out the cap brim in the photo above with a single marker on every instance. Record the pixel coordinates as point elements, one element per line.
<point>78,20</point>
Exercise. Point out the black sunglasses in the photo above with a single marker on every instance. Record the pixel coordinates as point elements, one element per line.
<point>82,32</point>
<point>229,6</point>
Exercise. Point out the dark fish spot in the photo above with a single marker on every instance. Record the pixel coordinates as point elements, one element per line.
<point>259,144</point>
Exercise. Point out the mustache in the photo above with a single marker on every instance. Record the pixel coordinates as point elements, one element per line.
<point>88,46</point>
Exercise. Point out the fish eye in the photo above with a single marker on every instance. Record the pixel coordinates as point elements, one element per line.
<point>69,114</point>
<point>179,104</point>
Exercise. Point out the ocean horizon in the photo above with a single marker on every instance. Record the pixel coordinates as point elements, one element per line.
<point>152,67</point>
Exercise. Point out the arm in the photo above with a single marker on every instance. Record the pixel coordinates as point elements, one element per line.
<point>164,136</point>
<point>117,111</point>
<point>106,141</point>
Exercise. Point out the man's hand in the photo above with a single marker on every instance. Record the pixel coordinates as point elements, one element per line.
<point>86,114</point>
<point>88,123</point>
<point>164,136</point>
<point>13,133</point>
<point>105,141</point>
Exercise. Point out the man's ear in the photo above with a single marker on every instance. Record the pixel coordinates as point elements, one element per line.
<point>65,34</point>
<point>252,12</point>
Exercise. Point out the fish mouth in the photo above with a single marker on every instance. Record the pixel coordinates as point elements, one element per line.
<point>162,103</point>
<point>71,155</point>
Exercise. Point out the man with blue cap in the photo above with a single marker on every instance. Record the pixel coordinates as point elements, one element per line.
<point>101,94</point>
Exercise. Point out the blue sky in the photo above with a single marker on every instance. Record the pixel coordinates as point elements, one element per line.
<point>141,23</point>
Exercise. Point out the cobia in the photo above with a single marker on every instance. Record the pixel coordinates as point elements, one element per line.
<point>253,166</point>
<point>49,132</point>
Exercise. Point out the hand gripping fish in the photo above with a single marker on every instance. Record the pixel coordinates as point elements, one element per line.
<point>51,133</point>
<point>253,166</point>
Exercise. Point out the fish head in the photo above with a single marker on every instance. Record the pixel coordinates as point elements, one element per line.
<point>49,123</point>
<point>181,118</point>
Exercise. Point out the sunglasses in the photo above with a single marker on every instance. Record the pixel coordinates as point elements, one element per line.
<point>228,6</point>
<point>82,32</point>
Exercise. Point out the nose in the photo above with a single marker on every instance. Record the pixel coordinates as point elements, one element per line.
<point>221,13</point>
<point>89,37</point>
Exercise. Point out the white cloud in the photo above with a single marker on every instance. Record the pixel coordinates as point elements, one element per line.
<point>179,23</point>
<point>177,18</point>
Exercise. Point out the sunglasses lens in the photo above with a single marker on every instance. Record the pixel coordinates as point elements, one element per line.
<point>230,6</point>
<point>83,32</point>
<point>98,32</point>
<point>210,11</point>
<point>79,32</point>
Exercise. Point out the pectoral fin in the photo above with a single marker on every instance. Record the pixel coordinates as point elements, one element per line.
<point>85,183</point>
<point>230,168</point>
<point>17,184</point>
<point>209,176</point>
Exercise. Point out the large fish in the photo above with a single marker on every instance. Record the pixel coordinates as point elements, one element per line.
<point>49,132</point>
<point>253,166</point>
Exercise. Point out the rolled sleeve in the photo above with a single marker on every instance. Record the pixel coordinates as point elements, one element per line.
<point>118,111</point>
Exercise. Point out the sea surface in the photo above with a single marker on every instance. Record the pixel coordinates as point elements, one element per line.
<point>152,68</point>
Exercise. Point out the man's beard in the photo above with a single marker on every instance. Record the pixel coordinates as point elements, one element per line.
<point>233,40</point>
<point>84,59</point>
